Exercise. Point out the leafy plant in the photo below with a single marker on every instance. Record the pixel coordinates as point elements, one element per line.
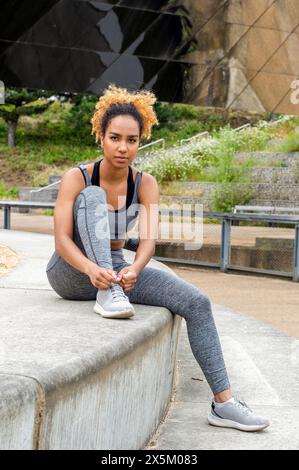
<point>81,113</point>
<point>49,212</point>
<point>8,193</point>
<point>227,195</point>
<point>21,102</point>
<point>174,165</point>
<point>290,143</point>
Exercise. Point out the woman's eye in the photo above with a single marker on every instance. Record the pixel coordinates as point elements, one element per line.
<point>132,141</point>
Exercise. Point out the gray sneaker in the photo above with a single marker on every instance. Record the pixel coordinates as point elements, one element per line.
<point>238,415</point>
<point>113,303</point>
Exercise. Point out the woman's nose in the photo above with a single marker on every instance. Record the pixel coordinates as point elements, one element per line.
<point>122,147</point>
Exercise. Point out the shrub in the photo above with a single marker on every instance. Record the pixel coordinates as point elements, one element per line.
<point>290,144</point>
<point>173,165</point>
<point>81,113</point>
<point>227,195</point>
<point>57,112</point>
<point>8,193</point>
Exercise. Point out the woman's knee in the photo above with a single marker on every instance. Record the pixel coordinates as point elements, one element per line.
<point>90,194</point>
<point>93,189</point>
<point>196,300</point>
<point>193,293</point>
<point>204,301</point>
<point>184,294</point>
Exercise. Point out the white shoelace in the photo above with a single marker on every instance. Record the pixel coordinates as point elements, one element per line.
<point>243,406</point>
<point>117,293</point>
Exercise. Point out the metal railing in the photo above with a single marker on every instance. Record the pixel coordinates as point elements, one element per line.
<point>225,262</point>
<point>194,137</point>
<point>245,126</point>
<point>162,140</point>
<point>7,205</point>
<point>44,187</point>
<point>224,230</point>
<point>266,209</point>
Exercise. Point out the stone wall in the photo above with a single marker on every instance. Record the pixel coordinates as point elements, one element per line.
<point>243,54</point>
<point>272,185</point>
<point>261,44</point>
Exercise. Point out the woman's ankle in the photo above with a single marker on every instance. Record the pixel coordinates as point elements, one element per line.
<point>223,396</point>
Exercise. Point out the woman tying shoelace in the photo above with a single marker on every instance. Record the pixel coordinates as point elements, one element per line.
<point>96,205</point>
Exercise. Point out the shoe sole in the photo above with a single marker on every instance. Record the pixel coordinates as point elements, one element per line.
<point>227,423</point>
<point>119,314</point>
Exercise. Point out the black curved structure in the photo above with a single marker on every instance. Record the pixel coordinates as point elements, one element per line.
<point>81,46</point>
<point>229,53</point>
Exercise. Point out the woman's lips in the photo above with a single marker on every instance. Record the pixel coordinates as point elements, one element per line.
<point>121,158</point>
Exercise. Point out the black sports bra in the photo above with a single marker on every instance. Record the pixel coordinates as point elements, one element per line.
<point>95,180</point>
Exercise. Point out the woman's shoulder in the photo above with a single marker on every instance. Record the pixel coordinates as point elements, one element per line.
<point>148,185</point>
<point>76,172</point>
<point>147,178</point>
<point>74,176</point>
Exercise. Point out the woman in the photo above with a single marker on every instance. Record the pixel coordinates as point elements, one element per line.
<point>88,261</point>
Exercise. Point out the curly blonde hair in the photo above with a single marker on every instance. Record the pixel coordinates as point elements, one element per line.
<point>142,101</point>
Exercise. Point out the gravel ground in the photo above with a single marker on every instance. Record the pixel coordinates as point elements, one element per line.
<point>8,259</point>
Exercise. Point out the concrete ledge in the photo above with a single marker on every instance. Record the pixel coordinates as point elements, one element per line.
<point>18,413</point>
<point>84,382</point>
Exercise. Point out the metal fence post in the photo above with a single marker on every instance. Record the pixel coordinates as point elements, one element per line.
<point>7,217</point>
<point>225,244</point>
<point>296,255</point>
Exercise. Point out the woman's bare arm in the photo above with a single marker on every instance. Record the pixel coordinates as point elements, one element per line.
<point>71,185</point>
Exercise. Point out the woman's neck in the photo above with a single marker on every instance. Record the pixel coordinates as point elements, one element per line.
<point>112,174</point>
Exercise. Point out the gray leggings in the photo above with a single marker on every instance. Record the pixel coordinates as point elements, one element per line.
<point>153,286</point>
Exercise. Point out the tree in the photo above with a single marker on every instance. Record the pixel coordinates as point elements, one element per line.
<point>22,102</point>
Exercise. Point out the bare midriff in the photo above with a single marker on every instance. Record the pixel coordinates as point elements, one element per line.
<point>117,244</point>
<point>112,199</point>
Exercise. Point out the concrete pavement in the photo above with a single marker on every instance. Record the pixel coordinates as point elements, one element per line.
<point>262,362</point>
<point>270,299</point>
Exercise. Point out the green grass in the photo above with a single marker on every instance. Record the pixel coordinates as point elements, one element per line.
<point>33,168</point>
<point>290,144</point>
<point>43,150</point>
<point>49,212</point>
<point>8,193</point>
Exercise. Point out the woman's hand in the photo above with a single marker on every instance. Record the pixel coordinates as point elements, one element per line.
<point>127,277</point>
<point>101,278</point>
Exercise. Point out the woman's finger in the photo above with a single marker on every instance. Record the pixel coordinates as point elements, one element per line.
<point>129,286</point>
<point>130,275</point>
<point>102,285</point>
<point>109,277</point>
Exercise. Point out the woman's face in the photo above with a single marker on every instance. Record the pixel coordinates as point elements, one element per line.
<point>121,140</point>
